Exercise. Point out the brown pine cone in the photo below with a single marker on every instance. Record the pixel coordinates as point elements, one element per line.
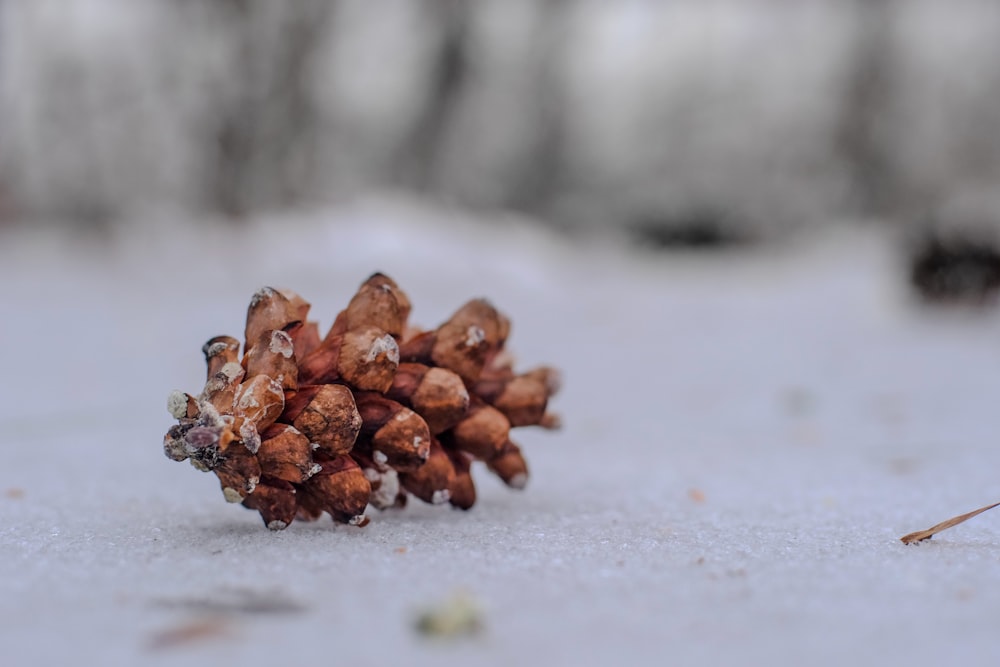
<point>304,424</point>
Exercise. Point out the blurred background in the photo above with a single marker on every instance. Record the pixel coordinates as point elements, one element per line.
<point>687,122</point>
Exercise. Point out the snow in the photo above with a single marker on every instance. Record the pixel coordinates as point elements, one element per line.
<point>384,345</point>
<point>746,437</point>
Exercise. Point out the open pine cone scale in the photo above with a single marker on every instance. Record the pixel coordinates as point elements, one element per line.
<point>372,413</point>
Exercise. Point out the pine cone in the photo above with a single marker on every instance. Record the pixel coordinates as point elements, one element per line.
<point>371,413</point>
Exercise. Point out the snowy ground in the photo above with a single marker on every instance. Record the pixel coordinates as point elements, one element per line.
<point>746,438</point>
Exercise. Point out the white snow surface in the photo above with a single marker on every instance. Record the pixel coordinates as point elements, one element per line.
<point>746,435</point>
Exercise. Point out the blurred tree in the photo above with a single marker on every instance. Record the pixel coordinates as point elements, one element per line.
<point>862,138</point>
<point>262,132</point>
<point>52,159</point>
<point>535,183</point>
<point>444,151</point>
<point>420,151</point>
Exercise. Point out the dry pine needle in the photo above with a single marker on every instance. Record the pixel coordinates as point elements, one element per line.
<point>922,535</point>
